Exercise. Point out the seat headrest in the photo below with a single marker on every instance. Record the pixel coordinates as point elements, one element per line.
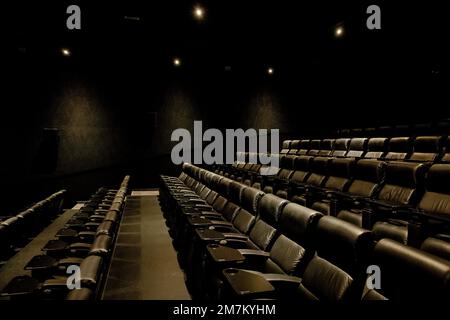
<point>298,222</point>
<point>359,144</point>
<point>305,144</point>
<point>287,162</point>
<point>377,144</point>
<point>343,244</point>
<point>369,170</point>
<point>320,165</point>
<point>224,186</point>
<point>235,190</point>
<point>250,199</point>
<point>286,144</point>
<point>341,144</point>
<point>315,144</point>
<point>400,144</point>
<point>295,144</point>
<point>438,177</point>
<point>428,144</point>
<point>341,167</point>
<point>270,208</point>
<point>405,174</point>
<point>302,163</point>
<point>409,273</point>
<point>327,144</point>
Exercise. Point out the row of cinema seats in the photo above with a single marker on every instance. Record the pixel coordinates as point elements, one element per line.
<point>237,242</point>
<point>417,149</point>
<point>17,230</point>
<point>86,241</point>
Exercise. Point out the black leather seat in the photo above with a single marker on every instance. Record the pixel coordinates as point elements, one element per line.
<point>340,174</point>
<point>399,148</point>
<point>341,147</point>
<point>285,146</point>
<point>314,147</point>
<point>295,146</point>
<point>426,149</point>
<point>326,147</point>
<point>409,274</point>
<point>367,179</point>
<point>337,272</point>
<point>376,148</point>
<point>316,178</point>
<point>273,184</point>
<point>304,147</point>
<point>357,148</point>
<point>402,188</point>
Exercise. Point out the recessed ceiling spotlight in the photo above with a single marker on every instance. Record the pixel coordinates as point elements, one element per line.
<point>177,62</point>
<point>339,32</point>
<point>270,71</point>
<point>66,52</point>
<point>199,12</point>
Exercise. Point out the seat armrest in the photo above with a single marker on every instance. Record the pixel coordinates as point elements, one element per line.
<point>283,282</point>
<point>223,254</point>
<point>247,283</point>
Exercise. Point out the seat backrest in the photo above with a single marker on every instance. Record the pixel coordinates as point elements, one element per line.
<point>357,148</point>
<point>376,148</point>
<point>337,272</point>
<point>223,186</point>
<point>399,148</point>
<point>368,175</point>
<point>285,146</point>
<point>301,168</point>
<point>409,274</point>
<point>446,152</point>
<point>292,249</point>
<point>436,199</point>
<point>295,144</point>
<point>318,171</point>
<point>235,190</point>
<point>437,247</point>
<point>340,147</point>
<point>265,229</point>
<point>314,147</point>
<point>326,147</point>
<point>304,147</point>
<point>286,166</point>
<point>340,173</point>
<point>403,182</point>
<point>250,199</point>
<point>426,149</point>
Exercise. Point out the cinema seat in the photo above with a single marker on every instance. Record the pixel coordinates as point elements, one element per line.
<point>426,149</point>
<point>290,253</point>
<point>357,148</point>
<point>316,178</point>
<point>376,148</point>
<point>273,183</point>
<point>295,146</point>
<point>437,247</point>
<point>399,148</point>
<point>340,147</point>
<point>314,147</point>
<point>343,251</point>
<point>340,174</point>
<point>304,147</point>
<point>326,147</point>
<point>409,274</point>
<point>368,176</point>
<point>285,147</point>
<point>401,189</point>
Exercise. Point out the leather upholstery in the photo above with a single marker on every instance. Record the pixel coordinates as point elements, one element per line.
<point>343,243</point>
<point>436,200</point>
<point>376,147</point>
<point>324,281</point>
<point>357,147</point>
<point>235,191</point>
<point>400,269</point>
<point>326,147</point>
<point>298,222</point>
<point>426,149</point>
<point>340,147</point>
<point>399,148</point>
<point>437,247</point>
